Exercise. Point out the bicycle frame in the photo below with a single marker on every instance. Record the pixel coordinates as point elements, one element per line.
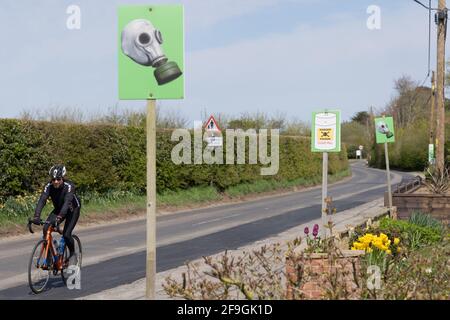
<point>57,259</point>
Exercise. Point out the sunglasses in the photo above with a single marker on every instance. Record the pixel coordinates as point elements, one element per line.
<point>57,179</point>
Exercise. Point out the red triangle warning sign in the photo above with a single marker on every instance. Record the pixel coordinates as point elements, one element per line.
<point>211,125</point>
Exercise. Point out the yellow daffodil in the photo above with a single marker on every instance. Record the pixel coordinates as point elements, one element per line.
<point>369,241</point>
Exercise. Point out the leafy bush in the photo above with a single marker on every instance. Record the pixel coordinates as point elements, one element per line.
<point>103,157</point>
<point>437,181</point>
<point>423,274</point>
<point>412,236</point>
<point>425,220</point>
<point>409,152</point>
<point>351,151</point>
<point>355,134</point>
<point>19,206</point>
<point>415,236</point>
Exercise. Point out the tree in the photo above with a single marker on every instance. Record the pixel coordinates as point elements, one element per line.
<point>361,117</point>
<point>411,102</point>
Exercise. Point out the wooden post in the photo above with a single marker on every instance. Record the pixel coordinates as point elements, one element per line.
<point>432,121</point>
<point>324,192</point>
<point>151,200</point>
<point>440,70</point>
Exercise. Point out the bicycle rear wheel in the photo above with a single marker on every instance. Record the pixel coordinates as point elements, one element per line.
<point>68,270</point>
<point>37,276</point>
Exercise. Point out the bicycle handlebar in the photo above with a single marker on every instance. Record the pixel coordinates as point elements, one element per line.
<point>41,223</point>
<point>29,226</point>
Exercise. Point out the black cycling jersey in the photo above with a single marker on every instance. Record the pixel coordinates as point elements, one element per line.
<point>63,198</point>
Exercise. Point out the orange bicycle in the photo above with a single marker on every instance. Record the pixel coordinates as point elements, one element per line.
<point>50,255</point>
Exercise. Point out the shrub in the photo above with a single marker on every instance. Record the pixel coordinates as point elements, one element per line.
<point>412,236</point>
<point>437,181</point>
<point>423,274</point>
<point>415,236</point>
<point>19,206</point>
<point>102,157</point>
<point>425,220</point>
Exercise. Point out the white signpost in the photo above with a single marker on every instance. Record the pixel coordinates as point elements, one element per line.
<point>213,133</point>
<point>325,137</point>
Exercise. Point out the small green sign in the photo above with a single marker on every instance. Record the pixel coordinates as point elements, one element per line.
<point>326,131</point>
<point>431,153</point>
<point>384,130</point>
<point>151,52</point>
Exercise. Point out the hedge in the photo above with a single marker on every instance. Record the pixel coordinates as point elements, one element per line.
<point>111,157</point>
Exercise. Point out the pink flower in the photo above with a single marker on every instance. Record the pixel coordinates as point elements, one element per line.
<point>306,230</point>
<point>316,230</point>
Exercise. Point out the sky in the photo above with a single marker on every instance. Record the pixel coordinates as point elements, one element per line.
<point>289,57</point>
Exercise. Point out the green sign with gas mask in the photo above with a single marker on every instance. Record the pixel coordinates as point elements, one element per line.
<point>151,52</point>
<point>384,130</point>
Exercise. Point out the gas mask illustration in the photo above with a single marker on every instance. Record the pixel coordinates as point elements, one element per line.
<point>141,42</point>
<point>383,128</point>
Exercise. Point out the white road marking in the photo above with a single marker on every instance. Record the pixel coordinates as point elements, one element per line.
<point>217,219</point>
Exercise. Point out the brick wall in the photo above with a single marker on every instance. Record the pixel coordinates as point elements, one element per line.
<point>315,273</point>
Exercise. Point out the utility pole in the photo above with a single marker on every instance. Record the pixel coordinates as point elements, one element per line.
<point>431,149</point>
<point>441,19</point>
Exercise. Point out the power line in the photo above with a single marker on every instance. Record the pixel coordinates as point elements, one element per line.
<point>429,36</point>
<point>428,8</point>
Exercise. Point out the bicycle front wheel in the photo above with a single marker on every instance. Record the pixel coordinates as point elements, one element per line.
<point>39,268</point>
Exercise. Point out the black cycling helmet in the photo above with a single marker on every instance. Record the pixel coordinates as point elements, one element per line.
<point>57,172</point>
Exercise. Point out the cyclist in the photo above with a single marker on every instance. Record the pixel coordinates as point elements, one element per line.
<point>66,206</point>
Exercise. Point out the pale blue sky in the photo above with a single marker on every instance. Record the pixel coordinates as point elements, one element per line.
<point>290,56</point>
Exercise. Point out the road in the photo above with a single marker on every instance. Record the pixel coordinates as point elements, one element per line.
<point>114,254</point>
